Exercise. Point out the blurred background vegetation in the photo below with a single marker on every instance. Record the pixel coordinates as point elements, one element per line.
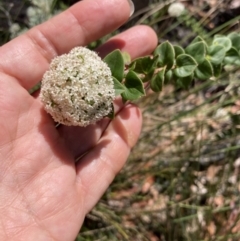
<point>182,180</point>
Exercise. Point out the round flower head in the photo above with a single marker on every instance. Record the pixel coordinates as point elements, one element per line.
<point>78,88</point>
<point>176,9</point>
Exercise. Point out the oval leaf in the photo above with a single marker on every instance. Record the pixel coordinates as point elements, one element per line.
<point>185,65</point>
<point>216,54</point>
<point>200,39</point>
<point>235,38</point>
<point>133,87</point>
<point>217,70</point>
<point>204,71</point>
<point>197,51</point>
<point>115,62</point>
<point>222,41</point>
<point>168,76</point>
<point>144,65</point>
<point>197,39</point>
<point>118,87</point>
<point>185,82</point>
<point>166,55</point>
<point>156,83</point>
<point>232,57</point>
<point>178,50</point>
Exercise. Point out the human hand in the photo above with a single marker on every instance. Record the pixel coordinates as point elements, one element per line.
<point>44,193</point>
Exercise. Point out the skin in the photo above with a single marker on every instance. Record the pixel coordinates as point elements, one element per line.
<point>45,194</point>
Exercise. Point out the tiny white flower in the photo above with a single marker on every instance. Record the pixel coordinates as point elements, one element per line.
<point>176,9</point>
<point>14,28</point>
<point>78,88</point>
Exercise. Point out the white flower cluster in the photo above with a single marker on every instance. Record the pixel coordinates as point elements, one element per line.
<point>176,9</point>
<point>78,88</point>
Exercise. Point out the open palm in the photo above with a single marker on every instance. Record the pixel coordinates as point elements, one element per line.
<point>44,193</point>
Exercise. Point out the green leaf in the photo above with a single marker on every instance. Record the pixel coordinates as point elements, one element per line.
<point>144,65</point>
<point>185,65</point>
<point>166,55</point>
<point>217,70</point>
<point>218,36</point>
<point>197,51</point>
<point>115,62</point>
<point>200,39</point>
<point>132,66</point>
<point>168,76</point>
<point>197,39</point>
<point>204,71</point>
<point>232,57</point>
<point>148,76</point>
<point>185,82</point>
<point>216,54</point>
<point>156,83</point>
<point>126,58</point>
<point>178,50</point>
<point>235,38</point>
<point>118,87</point>
<point>133,87</point>
<point>222,41</point>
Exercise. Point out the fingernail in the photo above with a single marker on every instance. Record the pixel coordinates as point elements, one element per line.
<point>132,8</point>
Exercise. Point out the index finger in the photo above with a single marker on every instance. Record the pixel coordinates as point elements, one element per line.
<point>27,57</point>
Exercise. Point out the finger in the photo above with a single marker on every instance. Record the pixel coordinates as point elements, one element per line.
<point>138,41</point>
<point>27,57</point>
<point>96,170</point>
